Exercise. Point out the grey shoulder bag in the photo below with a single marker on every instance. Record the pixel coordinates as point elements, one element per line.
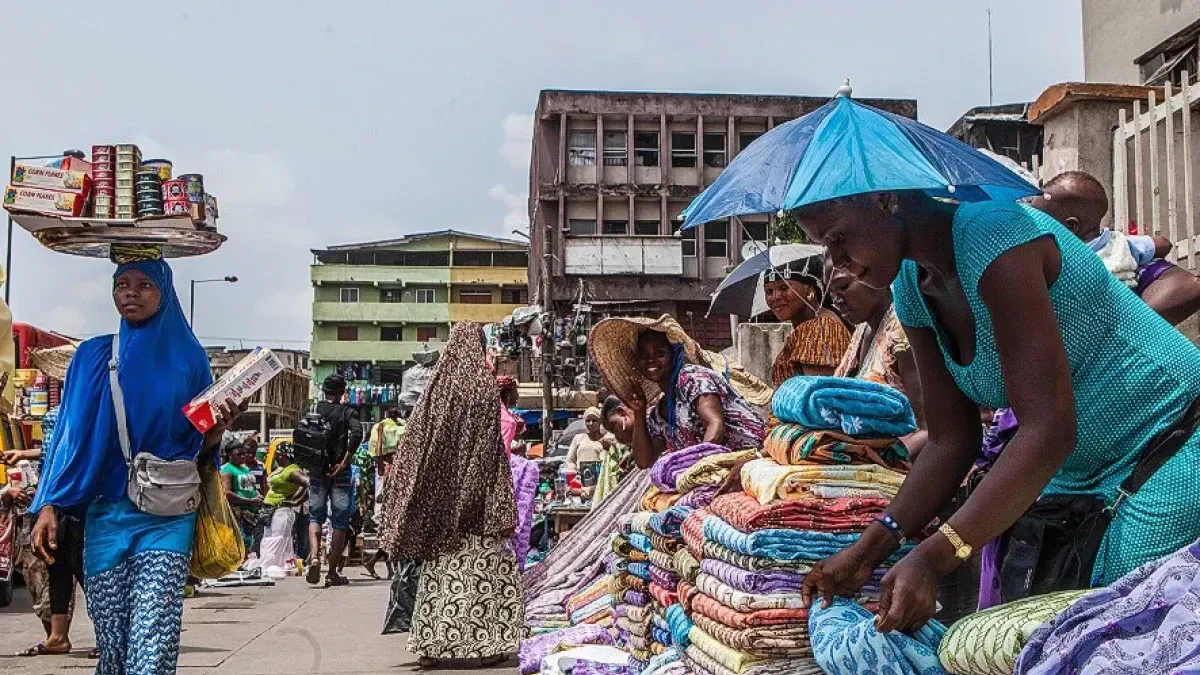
<point>156,486</point>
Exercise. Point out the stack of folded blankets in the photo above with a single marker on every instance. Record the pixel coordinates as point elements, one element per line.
<point>830,468</point>
<point>630,587</point>
<point>593,604</point>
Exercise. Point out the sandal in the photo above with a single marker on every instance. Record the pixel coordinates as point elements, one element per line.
<point>427,663</point>
<point>492,661</point>
<point>94,653</point>
<point>335,579</point>
<point>40,650</point>
<point>312,573</point>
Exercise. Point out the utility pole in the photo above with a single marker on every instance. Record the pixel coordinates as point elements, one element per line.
<point>991,95</point>
<point>549,346</point>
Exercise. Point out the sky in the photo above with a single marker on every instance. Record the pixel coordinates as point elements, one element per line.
<point>319,123</point>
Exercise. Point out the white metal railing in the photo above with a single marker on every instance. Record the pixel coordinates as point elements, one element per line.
<point>1157,142</point>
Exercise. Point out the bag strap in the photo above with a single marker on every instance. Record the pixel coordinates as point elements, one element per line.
<point>1158,451</point>
<point>118,400</point>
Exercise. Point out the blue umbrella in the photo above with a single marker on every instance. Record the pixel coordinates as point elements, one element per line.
<point>741,293</point>
<point>846,148</point>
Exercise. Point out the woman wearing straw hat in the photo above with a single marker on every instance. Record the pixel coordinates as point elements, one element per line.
<point>651,366</point>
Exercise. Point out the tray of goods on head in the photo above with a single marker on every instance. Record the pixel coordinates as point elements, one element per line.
<point>117,199</point>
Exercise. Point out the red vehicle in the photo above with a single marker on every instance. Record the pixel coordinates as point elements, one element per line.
<point>28,337</point>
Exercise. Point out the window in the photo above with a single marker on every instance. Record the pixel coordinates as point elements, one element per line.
<point>754,230</point>
<point>475,296</point>
<point>427,334</point>
<point>615,151</point>
<point>392,295</point>
<point>348,295</point>
<point>617,227</point>
<point>391,333</point>
<point>347,333</point>
<point>714,150</point>
<point>473,258</point>
<point>716,239</point>
<point>514,296</point>
<point>645,148</point>
<point>425,295</point>
<point>645,228</point>
<point>582,227</point>
<point>688,238</point>
<point>747,139</point>
<point>581,148</point>
<point>683,149</point>
<point>510,259</point>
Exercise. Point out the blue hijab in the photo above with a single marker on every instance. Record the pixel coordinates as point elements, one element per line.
<point>161,367</point>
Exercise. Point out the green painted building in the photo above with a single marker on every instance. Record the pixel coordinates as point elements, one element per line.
<point>376,303</point>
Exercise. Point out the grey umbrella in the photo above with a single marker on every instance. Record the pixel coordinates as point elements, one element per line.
<point>741,293</point>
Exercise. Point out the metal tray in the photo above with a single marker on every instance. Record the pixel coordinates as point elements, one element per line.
<point>175,236</point>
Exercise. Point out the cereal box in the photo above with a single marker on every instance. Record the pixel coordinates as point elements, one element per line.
<point>42,200</point>
<point>32,175</point>
<point>240,383</point>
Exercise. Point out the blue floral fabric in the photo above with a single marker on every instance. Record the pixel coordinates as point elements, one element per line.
<point>845,642</point>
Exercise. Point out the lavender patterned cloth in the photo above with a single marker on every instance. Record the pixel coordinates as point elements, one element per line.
<point>525,484</point>
<point>668,467</point>
<point>534,650</point>
<point>665,578</point>
<point>764,582</point>
<point>1146,623</point>
<point>700,497</point>
<point>636,598</point>
<point>1004,427</point>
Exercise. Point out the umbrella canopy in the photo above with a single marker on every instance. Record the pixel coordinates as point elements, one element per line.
<point>741,293</point>
<point>845,148</point>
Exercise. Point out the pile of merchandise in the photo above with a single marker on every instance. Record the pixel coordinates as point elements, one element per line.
<point>116,184</point>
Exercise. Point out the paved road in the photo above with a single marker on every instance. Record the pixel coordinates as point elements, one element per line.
<point>290,629</point>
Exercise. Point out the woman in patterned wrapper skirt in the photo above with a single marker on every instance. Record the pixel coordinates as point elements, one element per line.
<point>135,563</point>
<point>450,504</point>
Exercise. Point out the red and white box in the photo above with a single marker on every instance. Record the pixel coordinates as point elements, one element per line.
<point>42,200</point>
<point>238,384</point>
<point>33,175</point>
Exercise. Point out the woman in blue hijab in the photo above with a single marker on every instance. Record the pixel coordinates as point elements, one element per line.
<point>135,563</point>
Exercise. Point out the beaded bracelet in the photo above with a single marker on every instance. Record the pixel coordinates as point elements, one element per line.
<point>893,527</point>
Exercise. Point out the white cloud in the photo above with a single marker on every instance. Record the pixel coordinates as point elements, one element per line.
<point>248,179</point>
<point>518,141</point>
<point>517,204</point>
<point>290,304</point>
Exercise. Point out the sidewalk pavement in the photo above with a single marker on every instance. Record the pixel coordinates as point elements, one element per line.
<point>288,629</point>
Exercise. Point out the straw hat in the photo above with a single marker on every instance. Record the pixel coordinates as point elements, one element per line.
<point>53,361</point>
<point>613,344</point>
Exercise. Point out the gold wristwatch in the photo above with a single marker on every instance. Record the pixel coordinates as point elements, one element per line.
<point>962,550</point>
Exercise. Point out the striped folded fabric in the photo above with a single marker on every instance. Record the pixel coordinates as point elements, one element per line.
<point>795,444</point>
<point>768,642</point>
<point>663,560</point>
<point>662,596</point>
<point>728,657</point>
<point>746,602</point>
<point>847,514</point>
<point>693,531</point>
<point>666,545</point>
<point>714,549</point>
<point>686,564</point>
<point>665,578</point>
<point>706,605</point>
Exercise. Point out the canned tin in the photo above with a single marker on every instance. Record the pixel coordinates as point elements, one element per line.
<point>153,200</point>
<point>162,167</point>
<point>125,213</point>
<point>124,183</point>
<point>104,213</point>
<point>123,200</point>
<point>177,207</point>
<point>128,149</point>
<point>104,185</point>
<point>175,189</point>
<point>103,174</point>
<point>147,174</point>
<point>102,151</point>
<point>196,211</point>
<point>195,187</point>
<point>101,198</point>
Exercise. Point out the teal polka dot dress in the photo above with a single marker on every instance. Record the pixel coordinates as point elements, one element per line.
<point>1132,372</point>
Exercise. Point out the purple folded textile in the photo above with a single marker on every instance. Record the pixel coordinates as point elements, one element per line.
<point>668,467</point>
<point>765,582</point>
<point>525,475</point>
<point>700,497</point>
<point>665,578</point>
<point>596,668</point>
<point>535,649</point>
<point>1149,274</point>
<point>636,598</point>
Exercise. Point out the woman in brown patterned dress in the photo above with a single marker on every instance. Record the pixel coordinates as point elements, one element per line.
<point>450,503</point>
<point>795,294</point>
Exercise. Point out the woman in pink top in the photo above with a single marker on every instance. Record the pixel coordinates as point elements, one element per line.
<point>511,425</point>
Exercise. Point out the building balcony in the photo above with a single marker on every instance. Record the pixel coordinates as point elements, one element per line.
<point>480,313</point>
<point>372,351</point>
<point>629,255</point>
<point>490,276</point>
<point>381,312</point>
<point>379,275</point>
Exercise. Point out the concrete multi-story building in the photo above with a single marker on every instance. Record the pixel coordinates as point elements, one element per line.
<point>1140,41</point>
<point>376,303</point>
<point>609,175</point>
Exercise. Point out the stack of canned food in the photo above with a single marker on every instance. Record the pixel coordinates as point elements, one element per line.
<point>129,161</point>
<point>104,180</point>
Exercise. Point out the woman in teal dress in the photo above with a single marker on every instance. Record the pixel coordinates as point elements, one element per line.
<point>1003,306</point>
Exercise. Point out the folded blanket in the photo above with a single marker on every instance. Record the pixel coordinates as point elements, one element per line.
<point>680,624</point>
<point>794,444</point>
<point>639,614</point>
<point>534,650</point>
<point>664,561</point>
<point>640,642</point>
<point>859,408</point>
<point>621,545</point>
<point>668,467</point>
<point>693,532</point>
<point>640,570</point>
<point>700,663</point>
<point>669,523</point>
<point>746,602</point>
<point>660,664</point>
<point>600,588</point>
<point>732,659</point>
<point>771,581</point>
<point>825,515</point>
<point>665,578</point>
<point>661,636</point>
<point>686,565</point>
<point>988,642</point>
<point>784,544</point>
<point>638,584</point>
<point>844,638</point>
<point>771,642</point>
<point>706,605</point>
<point>802,666</point>
<point>590,610</point>
<point>637,598</point>
<point>640,542</point>
<point>668,545</point>
<point>640,523</point>
<point>662,596</point>
<point>636,556</point>
<point>700,497</point>
<point>659,618</point>
<point>769,481</point>
<point>712,470</point>
<point>617,565</point>
<point>657,501</point>
<point>713,549</point>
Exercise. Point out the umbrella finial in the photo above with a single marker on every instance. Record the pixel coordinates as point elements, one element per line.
<point>845,90</point>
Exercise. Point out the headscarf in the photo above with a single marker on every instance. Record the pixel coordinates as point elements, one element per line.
<point>504,383</point>
<point>591,413</point>
<point>161,368</point>
<point>456,480</point>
